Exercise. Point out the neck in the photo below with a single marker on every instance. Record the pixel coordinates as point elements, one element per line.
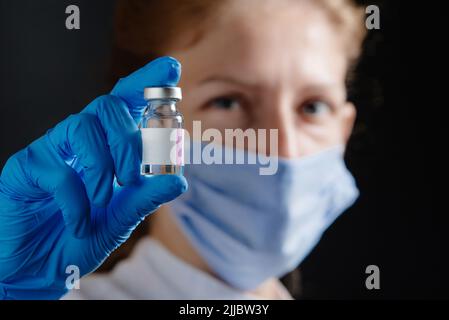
<point>165,231</point>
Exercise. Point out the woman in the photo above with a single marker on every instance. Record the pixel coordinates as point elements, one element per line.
<point>246,64</point>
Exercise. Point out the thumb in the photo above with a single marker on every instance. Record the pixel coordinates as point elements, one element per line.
<point>131,204</point>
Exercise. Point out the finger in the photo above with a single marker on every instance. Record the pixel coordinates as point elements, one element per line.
<point>49,173</point>
<point>131,204</point>
<point>164,71</point>
<point>122,136</point>
<point>81,135</point>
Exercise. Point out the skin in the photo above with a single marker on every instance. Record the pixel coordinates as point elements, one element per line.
<point>274,64</point>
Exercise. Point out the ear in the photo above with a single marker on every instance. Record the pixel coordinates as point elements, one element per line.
<point>348,119</point>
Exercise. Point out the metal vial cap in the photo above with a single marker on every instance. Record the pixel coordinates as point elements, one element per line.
<point>156,93</point>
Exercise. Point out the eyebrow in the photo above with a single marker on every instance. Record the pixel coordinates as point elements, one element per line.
<point>229,80</point>
<point>311,88</point>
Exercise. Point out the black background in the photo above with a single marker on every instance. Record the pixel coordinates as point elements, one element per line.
<point>397,153</point>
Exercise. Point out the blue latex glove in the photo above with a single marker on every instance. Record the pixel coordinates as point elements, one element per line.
<point>58,206</point>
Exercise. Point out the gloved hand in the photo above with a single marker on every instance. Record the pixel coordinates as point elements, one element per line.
<point>58,207</point>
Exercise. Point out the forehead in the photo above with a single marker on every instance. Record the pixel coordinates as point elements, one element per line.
<point>269,45</point>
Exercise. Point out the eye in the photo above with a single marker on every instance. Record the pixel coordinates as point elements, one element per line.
<point>316,108</point>
<point>226,103</point>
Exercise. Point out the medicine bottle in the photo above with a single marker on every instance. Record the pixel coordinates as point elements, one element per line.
<point>162,132</point>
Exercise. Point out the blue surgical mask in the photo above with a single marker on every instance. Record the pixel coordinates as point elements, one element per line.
<point>250,227</point>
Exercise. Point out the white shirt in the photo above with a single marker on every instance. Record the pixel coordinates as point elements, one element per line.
<point>152,272</point>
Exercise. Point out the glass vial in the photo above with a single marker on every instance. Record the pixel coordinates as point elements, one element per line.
<point>162,132</point>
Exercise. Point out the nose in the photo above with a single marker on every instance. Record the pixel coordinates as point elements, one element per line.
<point>279,115</point>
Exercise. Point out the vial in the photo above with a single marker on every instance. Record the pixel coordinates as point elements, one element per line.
<point>162,129</point>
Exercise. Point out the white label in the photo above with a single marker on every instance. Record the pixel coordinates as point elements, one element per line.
<point>163,146</point>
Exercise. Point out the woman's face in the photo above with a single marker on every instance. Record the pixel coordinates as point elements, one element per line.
<point>280,65</point>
